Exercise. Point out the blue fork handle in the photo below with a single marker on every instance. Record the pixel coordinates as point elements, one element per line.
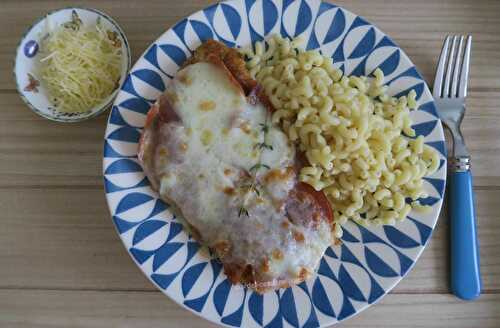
<point>465,274</point>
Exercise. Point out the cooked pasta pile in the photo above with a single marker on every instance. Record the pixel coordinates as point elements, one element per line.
<point>81,67</point>
<point>351,131</point>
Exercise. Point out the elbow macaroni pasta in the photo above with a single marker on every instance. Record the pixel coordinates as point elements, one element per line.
<point>354,135</point>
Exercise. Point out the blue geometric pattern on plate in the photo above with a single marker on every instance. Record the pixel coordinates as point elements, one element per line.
<point>351,276</point>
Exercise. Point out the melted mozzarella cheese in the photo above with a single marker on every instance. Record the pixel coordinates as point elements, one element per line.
<point>203,162</point>
<point>222,122</point>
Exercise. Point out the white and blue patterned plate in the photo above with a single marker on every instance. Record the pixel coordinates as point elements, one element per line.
<point>351,276</point>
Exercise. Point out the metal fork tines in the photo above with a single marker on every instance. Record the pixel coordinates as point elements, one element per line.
<point>450,90</point>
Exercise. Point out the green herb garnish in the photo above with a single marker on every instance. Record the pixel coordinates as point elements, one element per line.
<point>258,166</point>
<point>242,211</point>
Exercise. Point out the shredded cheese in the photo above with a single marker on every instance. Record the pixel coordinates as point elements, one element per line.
<point>81,66</point>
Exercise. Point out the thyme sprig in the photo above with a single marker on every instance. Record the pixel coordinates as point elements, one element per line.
<point>242,211</point>
<point>263,145</point>
<point>258,166</point>
<point>253,187</point>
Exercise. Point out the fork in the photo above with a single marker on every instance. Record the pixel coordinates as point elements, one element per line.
<point>450,91</point>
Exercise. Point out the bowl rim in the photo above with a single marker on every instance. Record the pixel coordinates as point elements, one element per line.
<point>101,107</point>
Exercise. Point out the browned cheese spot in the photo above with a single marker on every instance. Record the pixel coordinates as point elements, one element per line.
<point>206,105</point>
<point>298,236</point>
<point>277,254</point>
<point>248,275</point>
<point>303,274</point>
<point>233,271</point>
<point>265,265</point>
<point>171,96</point>
<point>162,152</point>
<point>278,204</point>
<point>184,78</point>
<point>245,127</point>
<point>227,172</point>
<point>228,191</point>
<point>277,175</point>
<point>315,219</point>
<point>222,248</point>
